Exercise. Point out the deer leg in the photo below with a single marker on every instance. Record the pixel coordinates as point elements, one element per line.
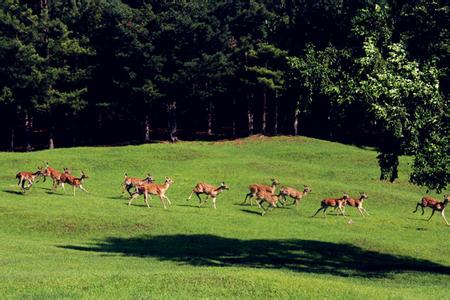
<point>249,195</point>
<point>162,201</point>
<point>364,210</point>
<point>128,188</point>
<point>262,207</point>
<point>431,214</point>
<point>317,211</point>
<point>360,211</point>
<point>417,207</point>
<point>201,203</point>
<point>81,187</point>
<point>199,199</point>
<point>134,196</point>
<point>64,189</point>
<point>214,202</point>
<point>443,216</point>
<point>189,198</point>
<point>74,190</point>
<point>342,212</point>
<point>168,200</point>
<point>146,199</point>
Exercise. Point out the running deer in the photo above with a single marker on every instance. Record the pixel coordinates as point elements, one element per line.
<point>440,206</point>
<point>132,182</point>
<point>63,178</point>
<point>54,175</point>
<point>255,188</point>
<point>358,203</point>
<point>209,190</point>
<point>28,177</point>
<point>294,194</point>
<point>148,189</point>
<point>270,198</point>
<point>333,202</point>
<point>426,201</point>
<point>74,181</point>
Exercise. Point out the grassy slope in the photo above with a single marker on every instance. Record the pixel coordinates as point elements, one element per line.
<point>93,245</point>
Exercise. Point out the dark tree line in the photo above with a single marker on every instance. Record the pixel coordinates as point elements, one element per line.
<point>86,72</point>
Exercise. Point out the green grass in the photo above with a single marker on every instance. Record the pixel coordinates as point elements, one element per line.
<point>54,245</point>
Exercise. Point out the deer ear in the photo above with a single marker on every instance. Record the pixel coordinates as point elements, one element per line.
<point>126,175</point>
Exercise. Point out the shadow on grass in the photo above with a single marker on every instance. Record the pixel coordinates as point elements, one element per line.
<point>191,205</point>
<point>119,198</point>
<point>297,255</point>
<point>13,192</point>
<point>252,212</point>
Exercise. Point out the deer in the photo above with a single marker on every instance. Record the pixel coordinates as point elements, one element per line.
<point>255,188</point>
<point>209,190</point>
<point>333,202</point>
<point>54,175</point>
<point>28,177</point>
<point>440,206</point>
<point>75,182</point>
<point>132,182</point>
<point>265,196</point>
<point>294,194</point>
<point>358,203</point>
<point>148,189</point>
<point>63,179</point>
<point>426,201</point>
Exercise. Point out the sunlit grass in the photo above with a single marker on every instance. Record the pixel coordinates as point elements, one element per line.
<point>54,245</point>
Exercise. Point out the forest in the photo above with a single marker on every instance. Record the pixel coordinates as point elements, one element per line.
<point>111,72</point>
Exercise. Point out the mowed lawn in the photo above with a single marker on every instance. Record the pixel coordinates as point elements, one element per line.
<point>54,245</point>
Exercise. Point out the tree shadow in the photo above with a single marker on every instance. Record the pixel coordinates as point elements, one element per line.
<point>307,256</point>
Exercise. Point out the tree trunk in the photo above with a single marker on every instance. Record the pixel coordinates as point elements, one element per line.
<point>74,129</point>
<point>250,114</point>
<point>172,120</point>
<point>210,117</point>
<point>147,129</point>
<point>264,115</point>
<point>296,116</point>
<point>12,139</point>
<point>28,130</point>
<point>275,127</point>
<point>51,142</point>
<point>233,129</point>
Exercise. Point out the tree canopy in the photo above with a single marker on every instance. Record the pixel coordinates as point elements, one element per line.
<point>109,72</point>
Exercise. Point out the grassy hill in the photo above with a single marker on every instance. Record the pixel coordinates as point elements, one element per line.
<point>54,245</point>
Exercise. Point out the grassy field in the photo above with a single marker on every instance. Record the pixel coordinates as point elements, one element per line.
<point>54,245</point>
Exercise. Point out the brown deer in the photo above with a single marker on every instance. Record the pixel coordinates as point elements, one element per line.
<point>153,189</point>
<point>265,196</point>
<point>255,188</point>
<point>358,203</point>
<point>74,181</point>
<point>63,178</point>
<point>440,206</point>
<point>426,201</point>
<point>54,175</point>
<point>294,194</point>
<point>209,190</point>
<point>333,202</point>
<point>132,182</point>
<point>28,177</point>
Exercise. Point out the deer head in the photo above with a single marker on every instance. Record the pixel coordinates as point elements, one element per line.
<point>224,186</point>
